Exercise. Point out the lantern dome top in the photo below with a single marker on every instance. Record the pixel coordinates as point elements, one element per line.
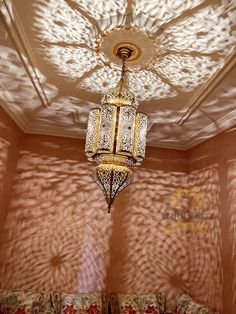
<point>120,96</point>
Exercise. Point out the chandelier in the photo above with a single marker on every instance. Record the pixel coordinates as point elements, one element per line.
<point>116,136</point>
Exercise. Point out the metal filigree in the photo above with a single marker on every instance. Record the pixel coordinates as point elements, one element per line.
<point>116,137</point>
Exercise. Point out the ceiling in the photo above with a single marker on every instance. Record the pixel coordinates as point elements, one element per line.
<point>55,64</point>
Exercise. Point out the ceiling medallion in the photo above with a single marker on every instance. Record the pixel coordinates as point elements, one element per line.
<point>116,135</point>
<point>145,49</point>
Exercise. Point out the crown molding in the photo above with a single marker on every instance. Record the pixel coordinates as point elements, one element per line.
<point>17,114</point>
<point>19,39</point>
<point>223,123</point>
<point>198,98</point>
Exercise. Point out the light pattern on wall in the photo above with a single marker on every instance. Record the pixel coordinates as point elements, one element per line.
<point>231,176</point>
<point>204,248</point>
<point>57,234</point>
<point>196,41</point>
<point>160,261</point>
<point>167,253</point>
<point>4,146</point>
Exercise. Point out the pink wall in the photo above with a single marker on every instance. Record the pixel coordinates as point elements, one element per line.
<point>9,145</point>
<point>145,255</point>
<point>57,230</point>
<point>219,155</point>
<point>58,235</point>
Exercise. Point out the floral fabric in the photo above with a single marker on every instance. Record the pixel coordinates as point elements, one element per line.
<point>138,304</point>
<point>55,299</point>
<point>186,305</point>
<point>20,303</point>
<point>12,302</point>
<point>81,303</point>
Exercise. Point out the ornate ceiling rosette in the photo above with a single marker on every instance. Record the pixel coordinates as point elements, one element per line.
<point>178,44</point>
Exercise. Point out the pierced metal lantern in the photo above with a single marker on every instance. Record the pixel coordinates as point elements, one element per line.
<point>116,137</point>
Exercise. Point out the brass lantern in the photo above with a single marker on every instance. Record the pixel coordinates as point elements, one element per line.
<point>116,137</point>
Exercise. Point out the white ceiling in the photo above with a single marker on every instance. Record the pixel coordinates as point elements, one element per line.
<point>51,72</point>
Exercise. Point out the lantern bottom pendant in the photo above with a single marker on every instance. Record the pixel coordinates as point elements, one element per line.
<point>112,179</point>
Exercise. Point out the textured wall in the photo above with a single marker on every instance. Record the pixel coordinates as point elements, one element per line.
<point>57,234</point>
<point>9,145</point>
<point>61,236</point>
<point>218,155</point>
<point>57,230</point>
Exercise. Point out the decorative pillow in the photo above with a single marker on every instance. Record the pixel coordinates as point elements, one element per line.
<point>89,303</point>
<point>21,302</point>
<point>55,298</point>
<point>137,303</point>
<point>187,305</point>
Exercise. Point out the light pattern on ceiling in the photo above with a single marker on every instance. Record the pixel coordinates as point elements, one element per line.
<point>161,11</point>
<point>16,83</point>
<point>102,9</point>
<point>66,60</point>
<point>198,37</point>
<point>147,83</point>
<point>209,30</point>
<point>59,23</point>
<point>179,70</point>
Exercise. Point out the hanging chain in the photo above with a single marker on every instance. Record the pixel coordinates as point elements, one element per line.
<point>123,68</point>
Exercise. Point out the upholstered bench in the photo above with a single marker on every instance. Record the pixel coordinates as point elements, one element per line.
<point>14,302</point>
